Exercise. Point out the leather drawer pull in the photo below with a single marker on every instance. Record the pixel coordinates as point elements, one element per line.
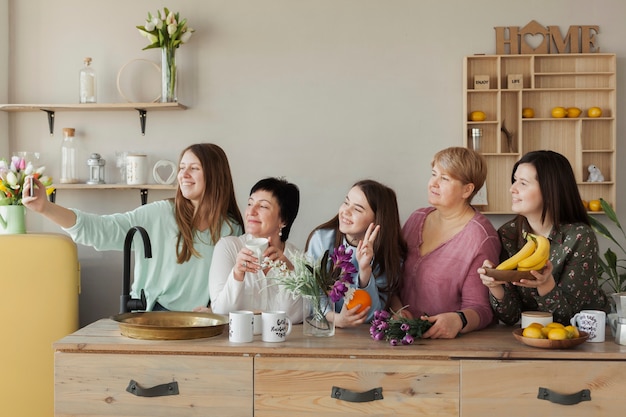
<point>357,397</point>
<point>156,391</point>
<point>565,399</point>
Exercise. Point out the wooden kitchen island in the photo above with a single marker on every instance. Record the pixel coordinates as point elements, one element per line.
<point>98,372</point>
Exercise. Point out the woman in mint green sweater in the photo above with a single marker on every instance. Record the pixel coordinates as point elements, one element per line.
<point>183,230</point>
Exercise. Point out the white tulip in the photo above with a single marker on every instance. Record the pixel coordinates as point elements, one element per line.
<point>185,37</point>
<point>11,178</point>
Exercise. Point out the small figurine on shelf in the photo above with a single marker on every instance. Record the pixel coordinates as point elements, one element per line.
<point>595,175</point>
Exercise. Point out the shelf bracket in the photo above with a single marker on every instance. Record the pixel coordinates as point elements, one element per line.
<point>143,114</point>
<point>50,120</point>
<point>143,194</point>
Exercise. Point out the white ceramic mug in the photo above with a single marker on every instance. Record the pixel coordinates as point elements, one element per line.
<point>276,326</point>
<point>592,322</point>
<point>241,326</point>
<point>136,169</point>
<point>258,246</point>
<point>540,317</point>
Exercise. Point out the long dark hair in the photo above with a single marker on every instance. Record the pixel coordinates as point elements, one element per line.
<point>390,248</point>
<point>557,183</point>
<point>218,203</point>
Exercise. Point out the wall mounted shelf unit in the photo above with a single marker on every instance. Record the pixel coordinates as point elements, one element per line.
<point>546,81</point>
<point>51,109</point>
<point>143,188</point>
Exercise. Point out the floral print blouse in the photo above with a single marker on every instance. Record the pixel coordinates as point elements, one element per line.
<point>574,253</point>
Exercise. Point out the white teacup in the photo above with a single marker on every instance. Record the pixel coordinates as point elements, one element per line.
<point>258,246</point>
<point>276,326</point>
<point>541,317</point>
<point>592,322</point>
<point>241,326</point>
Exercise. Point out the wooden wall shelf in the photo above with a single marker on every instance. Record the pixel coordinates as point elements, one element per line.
<point>51,109</point>
<point>143,188</point>
<point>547,81</point>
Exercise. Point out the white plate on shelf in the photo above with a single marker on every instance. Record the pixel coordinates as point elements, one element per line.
<point>139,81</point>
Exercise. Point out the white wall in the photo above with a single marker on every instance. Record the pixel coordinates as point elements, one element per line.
<point>323,92</point>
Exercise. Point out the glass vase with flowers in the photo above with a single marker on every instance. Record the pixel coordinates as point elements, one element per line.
<point>167,31</point>
<point>13,174</point>
<point>320,283</point>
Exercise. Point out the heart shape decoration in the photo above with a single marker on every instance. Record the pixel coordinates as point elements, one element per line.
<point>163,168</point>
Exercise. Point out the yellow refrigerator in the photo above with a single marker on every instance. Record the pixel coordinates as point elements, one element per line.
<point>40,277</point>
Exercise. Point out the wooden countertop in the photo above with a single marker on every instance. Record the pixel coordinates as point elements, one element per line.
<point>496,342</point>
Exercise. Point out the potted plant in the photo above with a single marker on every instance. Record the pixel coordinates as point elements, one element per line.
<point>613,269</point>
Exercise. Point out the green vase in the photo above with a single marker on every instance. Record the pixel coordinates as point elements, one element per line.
<point>12,220</point>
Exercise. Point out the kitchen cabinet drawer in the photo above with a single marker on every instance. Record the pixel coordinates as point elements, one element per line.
<point>95,385</point>
<point>303,386</point>
<point>510,388</point>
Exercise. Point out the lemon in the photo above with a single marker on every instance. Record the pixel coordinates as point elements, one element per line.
<point>594,112</point>
<point>528,113</point>
<point>557,334</point>
<point>545,331</point>
<point>555,325</point>
<point>558,112</point>
<point>532,332</point>
<point>535,324</point>
<point>478,116</point>
<point>572,332</point>
<point>573,112</point>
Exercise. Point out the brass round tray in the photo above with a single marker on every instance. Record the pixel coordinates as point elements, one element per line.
<point>170,325</point>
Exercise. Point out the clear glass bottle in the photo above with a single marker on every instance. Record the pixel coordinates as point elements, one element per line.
<point>87,83</point>
<point>69,155</point>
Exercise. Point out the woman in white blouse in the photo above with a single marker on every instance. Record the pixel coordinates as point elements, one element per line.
<point>237,281</point>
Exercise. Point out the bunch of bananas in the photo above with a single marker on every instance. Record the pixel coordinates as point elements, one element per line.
<point>533,255</point>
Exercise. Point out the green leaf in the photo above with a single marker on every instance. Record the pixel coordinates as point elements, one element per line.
<point>608,210</point>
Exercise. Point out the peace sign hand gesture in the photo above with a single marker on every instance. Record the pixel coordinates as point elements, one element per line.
<point>365,254</point>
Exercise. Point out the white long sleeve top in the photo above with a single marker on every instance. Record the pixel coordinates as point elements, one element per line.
<point>255,292</point>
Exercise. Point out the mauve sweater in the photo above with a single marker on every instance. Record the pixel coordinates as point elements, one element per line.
<point>446,279</point>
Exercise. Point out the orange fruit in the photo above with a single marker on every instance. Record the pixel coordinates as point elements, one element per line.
<point>594,112</point>
<point>359,297</point>
<point>528,113</point>
<point>478,116</point>
<point>558,112</point>
<point>573,112</point>
<point>595,205</point>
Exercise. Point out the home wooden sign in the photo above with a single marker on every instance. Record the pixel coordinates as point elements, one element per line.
<point>537,39</point>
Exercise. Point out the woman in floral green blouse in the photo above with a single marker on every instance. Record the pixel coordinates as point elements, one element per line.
<point>547,202</point>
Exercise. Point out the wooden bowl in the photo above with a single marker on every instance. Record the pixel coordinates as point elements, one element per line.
<point>510,275</point>
<point>551,344</point>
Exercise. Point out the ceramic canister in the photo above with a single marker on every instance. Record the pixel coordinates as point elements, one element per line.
<point>136,169</point>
